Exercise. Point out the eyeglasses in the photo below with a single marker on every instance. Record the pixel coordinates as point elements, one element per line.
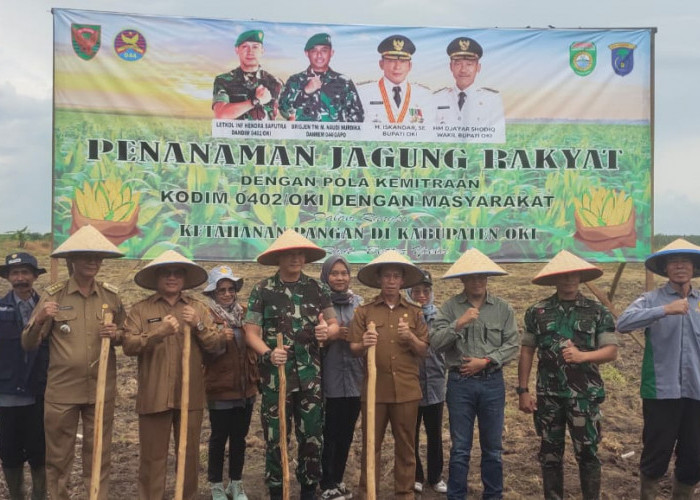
<point>224,291</point>
<point>419,292</point>
<point>177,273</point>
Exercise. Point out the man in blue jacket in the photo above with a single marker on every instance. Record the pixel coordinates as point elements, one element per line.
<point>670,390</point>
<point>22,380</point>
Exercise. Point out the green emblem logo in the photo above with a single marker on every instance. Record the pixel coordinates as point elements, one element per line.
<point>582,57</point>
<point>86,40</point>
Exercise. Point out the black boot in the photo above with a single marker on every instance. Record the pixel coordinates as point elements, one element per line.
<point>276,493</point>
<point>39,483</point>
<point>590,481</point>
<point>308,491</point>
<point>553,482</point>
<point>15,479</point>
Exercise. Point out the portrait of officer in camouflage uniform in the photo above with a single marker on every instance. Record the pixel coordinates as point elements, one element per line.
<point>247,92</point>
<point>320,94</point>
<point>300,308</point>
<point>393,99</point>
<point>572,335</point>
<point>464,103</point>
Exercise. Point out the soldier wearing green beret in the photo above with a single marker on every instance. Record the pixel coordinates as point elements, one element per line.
<point>393,99</point>
<point>247,92</point>
<point>319,93</point>
<point>465,104</point>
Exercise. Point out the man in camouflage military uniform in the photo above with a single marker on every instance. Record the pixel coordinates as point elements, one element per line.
<point>320,94</point>
<point>572,335</point>
<point>300,308</point>
<point>247,92</point>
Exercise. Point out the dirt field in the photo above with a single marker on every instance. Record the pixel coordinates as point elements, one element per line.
<point>622,421</point>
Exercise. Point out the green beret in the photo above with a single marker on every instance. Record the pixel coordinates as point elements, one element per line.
<point>464,48</point>
<point>250,36</point>
<point>318,39</point>
<point>397,47</point>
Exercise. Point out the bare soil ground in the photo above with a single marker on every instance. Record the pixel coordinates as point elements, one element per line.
<point>622,422</point>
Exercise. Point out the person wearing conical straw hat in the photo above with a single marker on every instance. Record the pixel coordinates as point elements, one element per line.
<point>401,340</point>
<point>70,315</point>
<point>23,382</point>
<point>478,335</point>
<point>299,308</point>
<point>572,335</point>
<point>154,331</point>
<point>670,389</point>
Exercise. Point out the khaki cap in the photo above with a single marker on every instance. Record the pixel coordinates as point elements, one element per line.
<point>656,262</point>
<point>369,275</point>
<point>87,239</point>
<point>564,263</point>
<point>147,277</point>
<point>474,262</point>
<point>290,240</point>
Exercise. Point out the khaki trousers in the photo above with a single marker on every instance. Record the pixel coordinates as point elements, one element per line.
<point>403,417</point>
<point>61,427</point>
<point>154,438</point>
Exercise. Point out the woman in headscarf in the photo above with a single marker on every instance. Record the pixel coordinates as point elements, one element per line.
<point>231,385</point>
<point>432,383</point>
<point>342,378</point>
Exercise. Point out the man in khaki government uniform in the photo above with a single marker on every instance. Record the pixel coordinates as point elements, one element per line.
<point>70,313</point>
<point>154,333</point>
<point>401,342</point>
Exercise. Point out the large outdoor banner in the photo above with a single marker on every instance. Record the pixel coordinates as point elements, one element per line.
<point>214,136</point>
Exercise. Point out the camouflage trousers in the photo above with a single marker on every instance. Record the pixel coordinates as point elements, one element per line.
<point>305,407</point>
<point>582,416</point>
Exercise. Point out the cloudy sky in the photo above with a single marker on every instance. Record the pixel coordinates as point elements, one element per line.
<point>26,78</point>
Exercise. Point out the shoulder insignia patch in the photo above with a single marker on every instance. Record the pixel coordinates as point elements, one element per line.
<point>55,287</point>
<point>110,287</point>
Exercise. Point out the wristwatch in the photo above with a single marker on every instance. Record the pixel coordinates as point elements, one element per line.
<point>200,326</point>
<point>521,390</point>
<point>265,357</point>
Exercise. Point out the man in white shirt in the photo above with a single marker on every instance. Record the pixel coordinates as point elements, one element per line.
<point>393,99</point>
<point>479,108</point>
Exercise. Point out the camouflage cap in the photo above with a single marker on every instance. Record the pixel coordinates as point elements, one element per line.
<point>318,39</point>
<point>250,36</point>
<point>464,48</point>
<point>396,47</point>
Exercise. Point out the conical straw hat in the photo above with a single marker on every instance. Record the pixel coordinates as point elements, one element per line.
<point>369,276</point>
<point>87,239</point>
<point>474,262</point>
<point>290,240</point>
<point>563,263</point>
<point>147,277</point>
<point>656,262</point>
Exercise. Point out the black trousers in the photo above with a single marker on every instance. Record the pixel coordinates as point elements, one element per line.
<point>228,425</point>
<point>22,435</point>
<point>671,424</point>
<point>431,416</point>
<point>338,430</point>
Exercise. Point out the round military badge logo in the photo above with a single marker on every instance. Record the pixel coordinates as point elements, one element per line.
<point>582,57</point>
<point>130,45</point>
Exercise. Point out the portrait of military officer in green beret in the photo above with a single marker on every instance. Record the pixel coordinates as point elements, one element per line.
<point>319,93</point>
<point>247,92</point>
